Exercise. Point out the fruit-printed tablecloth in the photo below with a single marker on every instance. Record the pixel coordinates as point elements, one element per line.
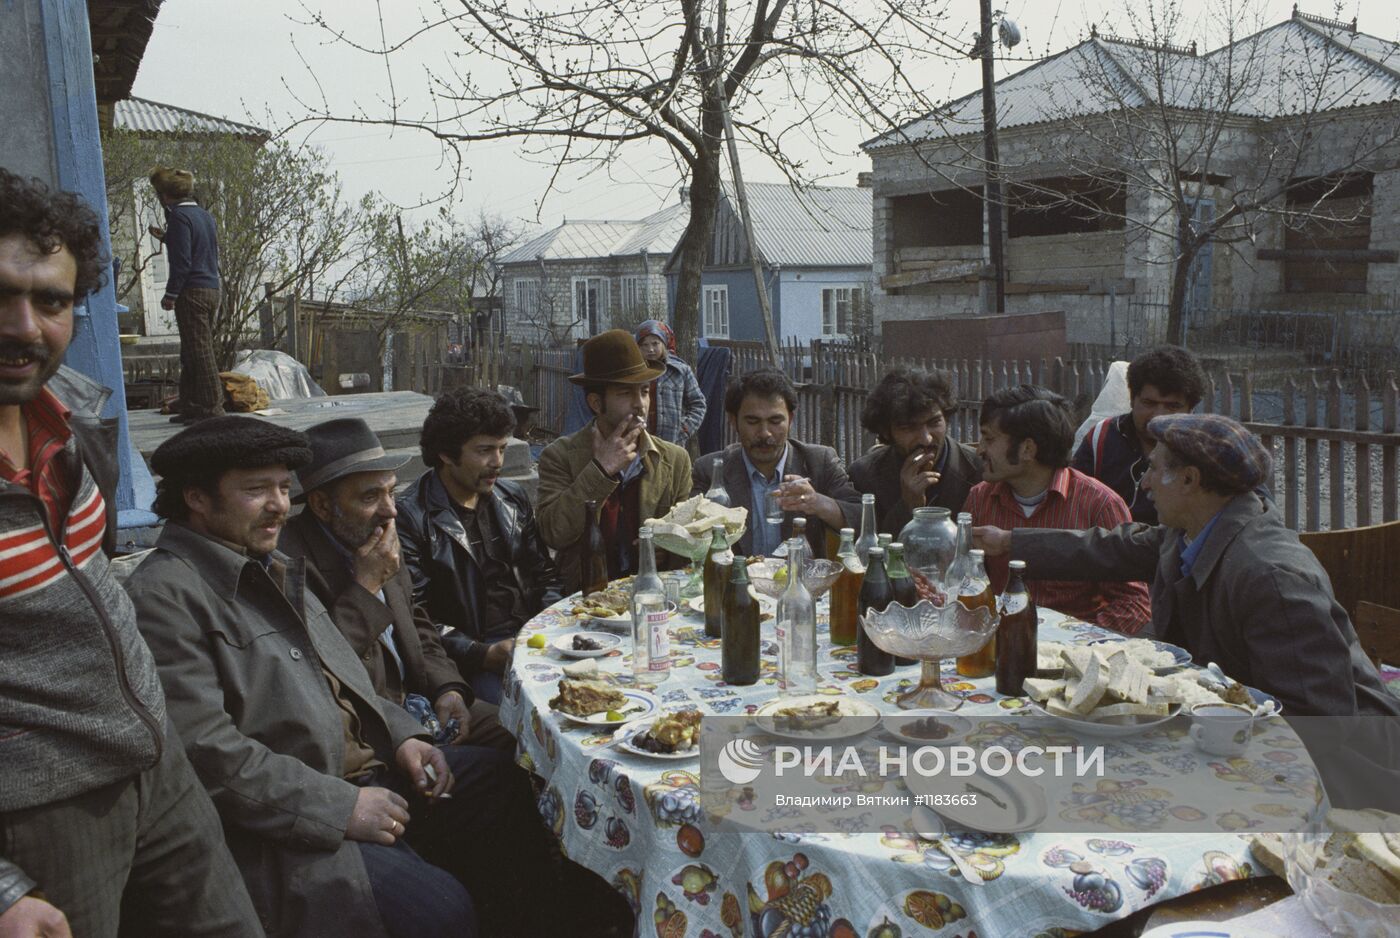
<point>638,822</point>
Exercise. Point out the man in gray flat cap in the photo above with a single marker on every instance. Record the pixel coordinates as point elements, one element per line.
<point>1230,581</point>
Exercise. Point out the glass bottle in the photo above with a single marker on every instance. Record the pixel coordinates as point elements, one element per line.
<point>902,586</point>
<point>875,595</point>
<point>868,536</point>
<point>1016,633</point>
<point>976,591</point>
<point>717,493</point>
<point>957,569</point>
<point>717,563</point>
<point>930,543</point>
<point>592,553</point>
<point>651,639</point>
<point>739,646</point>
<point>797,628</point>
<point>845,592</point>
<point>884,540</point>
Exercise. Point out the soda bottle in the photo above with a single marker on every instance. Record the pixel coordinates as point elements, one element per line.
<point>875,595</point>
<point>797,628</point>
<point>651,639</point>
<point>845,592</point>
<point>1016,633</point>
<point>717,563</point>
<point>592,553</point>
<point>868,536</point>
<point>975,591</point>
<point>739,645</point>
<point>902,585</point>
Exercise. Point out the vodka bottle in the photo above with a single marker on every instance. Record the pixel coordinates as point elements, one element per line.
<point>717,493</point>
<point>868,536</point>
<point>651,639</point>
<point>797,628</point>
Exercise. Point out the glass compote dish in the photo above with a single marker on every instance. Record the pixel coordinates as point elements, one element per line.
<point>930,633</point>
<point>693,549</point>
<point>769,576</point>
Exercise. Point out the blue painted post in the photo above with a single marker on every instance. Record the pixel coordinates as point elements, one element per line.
<point>96,348</point>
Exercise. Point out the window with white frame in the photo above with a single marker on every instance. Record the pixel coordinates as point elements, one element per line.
<point>634,294</point>
<point>591,303</point>
<point>716,306</point>
<point>527,296</point>
<point>839,307</point>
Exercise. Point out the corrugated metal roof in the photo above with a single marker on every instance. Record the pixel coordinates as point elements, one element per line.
<point>152,117</point>
<point>821,226</point>
<point>1284,64</point>
<point>656,234</point>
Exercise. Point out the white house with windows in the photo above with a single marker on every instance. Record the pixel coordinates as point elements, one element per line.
<point>815,250</point>
<point>584,277</point>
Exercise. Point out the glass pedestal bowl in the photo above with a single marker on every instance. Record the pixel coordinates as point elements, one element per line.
<point>930,633</point>
<point>693,549</point>
<point>817,575</point>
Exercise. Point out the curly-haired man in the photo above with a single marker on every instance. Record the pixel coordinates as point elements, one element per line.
<point>915,464</point>
<point>106,828</point>
<point>469,538</point>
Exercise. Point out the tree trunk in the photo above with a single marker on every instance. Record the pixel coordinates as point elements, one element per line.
<point>1181,274</point>
<point>695,243</point>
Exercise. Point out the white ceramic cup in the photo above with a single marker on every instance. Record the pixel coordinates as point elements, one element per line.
<point>1221,729</point>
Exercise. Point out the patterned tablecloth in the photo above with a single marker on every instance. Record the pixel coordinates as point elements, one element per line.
<point>637,822</point>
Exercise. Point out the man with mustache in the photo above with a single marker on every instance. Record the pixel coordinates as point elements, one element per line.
<point>330,795</point>
<point>470,543</point>
<point>104,827</point>
<point>613,460</point>
<point>810,478</point>
<point>915,464</point>
<point>1163,380</point>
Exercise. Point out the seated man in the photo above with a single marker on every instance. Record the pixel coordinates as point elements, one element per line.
<point>1230,582</point>
<point>317,779</point>
<point>1026,436</point>
<point>631,474</point>
<point>1163,380</point>
<point>760,406</point>
<point>469,538</point>
<point>346,535</point>
<point>915,464</point>
<point>104,828</point>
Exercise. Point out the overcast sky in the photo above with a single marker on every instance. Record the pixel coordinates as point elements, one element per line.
<point>248,60</point>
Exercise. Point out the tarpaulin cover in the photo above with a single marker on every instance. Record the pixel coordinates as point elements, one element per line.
<point>277,373</point>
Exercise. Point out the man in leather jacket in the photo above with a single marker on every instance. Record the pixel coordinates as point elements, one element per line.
<point>469,539</point>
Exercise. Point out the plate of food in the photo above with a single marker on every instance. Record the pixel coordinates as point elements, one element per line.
<point>597,703</point>
<point>1104,692</point>
<point>586,644</point>
<point>942,730</point>
<point>669,736</point>
<point>817,716</point>
<point>1159,656</point>
<point>1007,804</point>
<point>766,606</point>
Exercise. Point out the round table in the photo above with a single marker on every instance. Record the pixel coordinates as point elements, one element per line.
<point>638,823</point>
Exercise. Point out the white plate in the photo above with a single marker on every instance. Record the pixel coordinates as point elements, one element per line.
<point>1206,930</point>
<point>1108,728</point>
<point>622,625</point>
<point>1019,803</point>
<point>564,644</point>
<point>643,705</point>
<point>897,726</point>
<point>765,603</point>
<point>623,738</point>
<point>857,717</point>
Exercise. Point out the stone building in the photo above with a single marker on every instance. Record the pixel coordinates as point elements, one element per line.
<point>1303,117</point>
<point>584,277</point>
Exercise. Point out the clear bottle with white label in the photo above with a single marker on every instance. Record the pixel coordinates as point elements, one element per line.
<point>797,628</point>
<point>651,635</point>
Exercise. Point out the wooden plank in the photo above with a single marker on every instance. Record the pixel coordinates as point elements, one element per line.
<point>1337,255</point>
<point>952,270</point>
<point>1290,457</point>
<point>1390,472</point>
<point>1311,468</point>
<point>1336,471</point>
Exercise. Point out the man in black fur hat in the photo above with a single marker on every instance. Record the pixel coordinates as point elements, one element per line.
<point>328,792</point>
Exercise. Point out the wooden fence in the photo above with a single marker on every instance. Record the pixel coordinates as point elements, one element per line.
<point>1334,440</point>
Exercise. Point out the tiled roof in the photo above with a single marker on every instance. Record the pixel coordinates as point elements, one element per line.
<point>1282,65</point>
<point>151,117</point>
<point>658,233</point>
<point>820,226</point>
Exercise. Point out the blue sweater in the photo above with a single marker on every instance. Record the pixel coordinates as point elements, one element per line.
<point>191,249</point>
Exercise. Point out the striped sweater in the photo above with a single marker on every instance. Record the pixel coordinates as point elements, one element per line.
<point>80,699</point>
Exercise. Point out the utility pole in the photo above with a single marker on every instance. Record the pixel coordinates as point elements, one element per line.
<point>991,187</point>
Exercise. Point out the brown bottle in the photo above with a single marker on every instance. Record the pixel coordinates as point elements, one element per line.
<point>592,553</point>
<point>974,591</point>
<point>845,592</point>
<point>1016,634</point>
<point>717,564</point>
<point>739,647</point>
<point>875,595</point>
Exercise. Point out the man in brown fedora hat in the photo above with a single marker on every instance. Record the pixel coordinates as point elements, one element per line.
<point>349,537</point>
<point>613,460</point>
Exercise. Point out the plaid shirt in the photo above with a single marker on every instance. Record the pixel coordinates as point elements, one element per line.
<point>1074,501</point>
<point>47,420</point>
<point>680,404</point>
